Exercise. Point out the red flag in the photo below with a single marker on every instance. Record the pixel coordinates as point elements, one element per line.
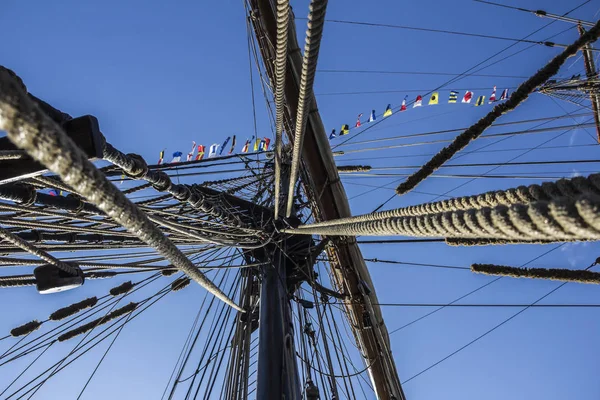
<point>200,154</point>
<point>358,121</point>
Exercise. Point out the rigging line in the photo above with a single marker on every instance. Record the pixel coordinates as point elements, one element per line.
<point>400,91</point>
<point>162,293</point>
<point>493,169</point>
<point>471,176</point>
<point>473,291</point>
<point>488,136</point>
<point>385,139</point>
<point>77,318</point>
<point>377,260</point>
<point>594,140</point>
<point>27,368</point>
<point>485,333</point>
<point>351,71</point>
<point>487,305</point>
<point>539,13</point>
<point>514,158</point>
<point>249,39</point>
<point>104,355</point>
<point>466,73</point>
<point>443,31</point>
<point>493,164</point>
<point>477,151</point>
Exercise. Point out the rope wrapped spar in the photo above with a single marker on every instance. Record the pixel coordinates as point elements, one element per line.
<point>560,219</point>
<point>30,129</point>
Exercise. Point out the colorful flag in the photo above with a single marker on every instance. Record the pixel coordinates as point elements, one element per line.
<point>504,95</point>
<point>53,193</point>
<point>190,155</point>
<point>418,101</point>
<point>403,106</point>
<point>176,157</point>
<point>161,157</point>
<point>232,145</point>
<point>434,98</point>
<point>372,117</point>
<point>388,111</point>
<point>261,145</point>
<point>212,151</point>
<point>480,101</point>
<point>358,120</point>
<point>256,144</point>
<point>493,96</point>
<point>266,145</point>
<point>332,134</point>
<point>467,97</point>
<point>200,154</point>
<point>453,96</point>
<point>247,145</point>
<point>345,129</point>
<point>224,144</point>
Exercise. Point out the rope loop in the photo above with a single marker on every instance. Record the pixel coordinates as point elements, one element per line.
<point>139,167</point>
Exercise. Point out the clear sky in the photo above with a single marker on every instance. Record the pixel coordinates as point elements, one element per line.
<point>162,74</point>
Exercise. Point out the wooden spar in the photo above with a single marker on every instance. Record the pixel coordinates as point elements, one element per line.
<point>330,202</point>
<point>590,70</point>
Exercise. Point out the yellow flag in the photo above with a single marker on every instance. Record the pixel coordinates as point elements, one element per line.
<point>434,98</point>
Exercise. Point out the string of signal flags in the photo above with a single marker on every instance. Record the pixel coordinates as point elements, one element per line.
<point>197,153</point>
<point>433,100</point>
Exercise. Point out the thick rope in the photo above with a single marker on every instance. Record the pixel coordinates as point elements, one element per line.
<point>518,96</point>
<point>180,283</point>
<point>17,241</point>
<point>123,288</point>
<point>73,309</point>
<point>100,321</point>
<point>523,194</point>
<point>316,21</point>
<point>32,130</point>
<point>283,12</point>
<point>553,274</point>
<point>12,154</point>
<point>353,168</point>
<point>136,167</point>
<point>25,329</point>
<point>562,219</point>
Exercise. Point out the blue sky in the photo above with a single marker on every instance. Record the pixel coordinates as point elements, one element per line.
<point>159,75</point>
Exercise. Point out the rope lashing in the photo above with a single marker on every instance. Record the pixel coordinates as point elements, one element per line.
<point>32,130</point>
<point>312,44</point>
<point>554,274</point>
<point>562,219</point>
<point>283,12</point>
<point>180,283</point>
<point>168,271</point>
<point>353,168</point>
<point>26,329</point>
<point>73,309</point>
<point>123,288</point>
<point>547,191</point>
<point>119,312</point>
<point>518,96</point>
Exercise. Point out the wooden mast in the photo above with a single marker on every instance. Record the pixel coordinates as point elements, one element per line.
<point>330,202</point>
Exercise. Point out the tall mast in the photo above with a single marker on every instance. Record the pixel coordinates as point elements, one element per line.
<point>330,202</point>
<point>590,70</point>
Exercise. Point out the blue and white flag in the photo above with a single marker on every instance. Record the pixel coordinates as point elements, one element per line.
<point>212,151</point>
<point>224,144</point>
<point>176,157</point>
<point>372,117</point>
<point>332,135</point>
